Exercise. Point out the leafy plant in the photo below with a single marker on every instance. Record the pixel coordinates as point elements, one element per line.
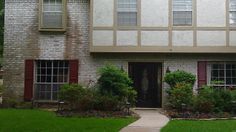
<point>181,94</point>
<point>179,76</point>
<point>1,89</point>
<point>107,103</point>
<point>233,95</point>
<point>204,102</point>
<point>71,93</point>
<point>222,100</point>
<point>116,82</point>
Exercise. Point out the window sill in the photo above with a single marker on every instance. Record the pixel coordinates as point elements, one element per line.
<point>52,30</point>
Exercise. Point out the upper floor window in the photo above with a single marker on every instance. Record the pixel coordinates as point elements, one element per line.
<point>182,12</point>
<point>232,13</point>
<point>52,14</point>
<point>127,13</point>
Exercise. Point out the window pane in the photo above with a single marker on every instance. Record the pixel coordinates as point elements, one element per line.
<point>232,17</point>
<point>127,13</point>
<point>182,12</point>
<point>232,13</point>
<point>52,19</point>
<point>182,5</point>
<point>232,5</point>
<point>43,92</point>
<point>127,19</point>
<point>234,81</point>
<point>52,14</point>
<point>182,18</point>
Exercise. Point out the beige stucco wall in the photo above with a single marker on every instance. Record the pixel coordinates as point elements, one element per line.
<point>154,38</point>
<point>102,38</point>
<point>151,16</point>
<point>211,38</point>
<point>182,38</point>
<point>103,12</point>
<point>127,38</point>
<point>211,13</point>
<point>232,38</point>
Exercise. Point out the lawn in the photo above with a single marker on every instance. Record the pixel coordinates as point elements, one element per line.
<point>200,126</point>
<point>12,120</point>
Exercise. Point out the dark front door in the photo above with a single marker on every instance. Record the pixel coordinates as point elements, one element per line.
<point>147,82</point>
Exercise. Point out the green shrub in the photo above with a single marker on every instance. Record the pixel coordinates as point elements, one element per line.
<point>180,94</point>
<point>222,100</point>
<point>1,89</point>
<point>116,82</point>
<point>9,103</point>
<point>107,103</point>
<point>72,94</point>
<point>85,99</point>
<point>204,102</point>
<point>233,95</point>
<point>86,102</point>
<point>213,100</point>
<point>179,76</point>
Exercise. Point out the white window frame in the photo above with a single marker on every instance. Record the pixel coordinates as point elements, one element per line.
<point>38,81</point>
<point>182,10</point>
<point>223,85</point>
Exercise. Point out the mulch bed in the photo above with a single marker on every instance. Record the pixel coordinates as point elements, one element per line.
<point>94,113</point>
<point>196,115</point>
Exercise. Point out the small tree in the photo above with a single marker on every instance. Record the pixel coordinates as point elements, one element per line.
<point>181,94</point>
<point>181,88</point>
<point>114,81</point>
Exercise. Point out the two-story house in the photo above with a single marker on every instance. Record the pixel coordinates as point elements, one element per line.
<point>52,42</point>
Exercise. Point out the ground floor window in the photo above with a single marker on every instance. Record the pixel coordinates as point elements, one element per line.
<point>49,76</point>
<point>222,74</point>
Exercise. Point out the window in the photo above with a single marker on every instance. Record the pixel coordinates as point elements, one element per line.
<point>127,13</point>
<point>232,13</point>
<point>222,74</point>
<point>182,12</point>
<point>52,14</point>
<point>50,75</point>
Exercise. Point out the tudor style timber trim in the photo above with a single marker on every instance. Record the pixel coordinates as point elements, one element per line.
<point>170,48</point>
<point>163,49</point>
<point>227,23</point>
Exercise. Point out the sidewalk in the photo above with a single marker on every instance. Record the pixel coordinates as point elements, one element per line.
<point>150,121</point>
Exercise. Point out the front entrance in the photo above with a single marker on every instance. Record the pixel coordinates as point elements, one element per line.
<point>147,79</point>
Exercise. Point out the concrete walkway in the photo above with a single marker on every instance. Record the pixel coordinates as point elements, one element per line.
<point>150,121</point>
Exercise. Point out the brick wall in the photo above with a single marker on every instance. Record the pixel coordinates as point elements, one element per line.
<point>24,41</point>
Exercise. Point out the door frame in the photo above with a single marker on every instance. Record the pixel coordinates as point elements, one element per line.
<point>161,68</point>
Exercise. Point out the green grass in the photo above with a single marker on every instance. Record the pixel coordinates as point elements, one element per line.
<point>200,126</point>
<point>12,120</point>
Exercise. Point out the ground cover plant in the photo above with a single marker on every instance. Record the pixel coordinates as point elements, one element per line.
<point>16,120</point>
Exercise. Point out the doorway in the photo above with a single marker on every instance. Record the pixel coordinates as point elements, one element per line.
<point>147,80</point>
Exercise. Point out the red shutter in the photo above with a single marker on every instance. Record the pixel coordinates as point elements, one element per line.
<point>74,66</point>
<point>202,73</point>
<point>29,80</point>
